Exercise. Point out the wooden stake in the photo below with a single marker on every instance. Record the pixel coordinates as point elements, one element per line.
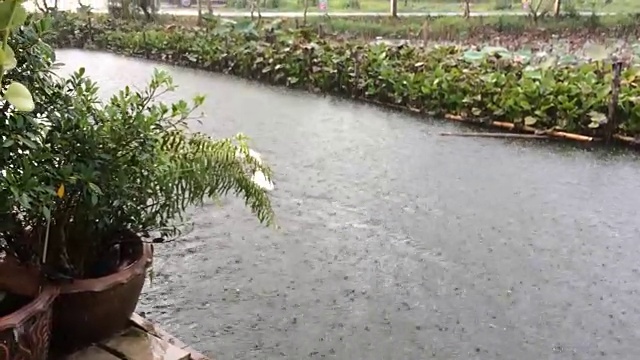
<point>612,123</point>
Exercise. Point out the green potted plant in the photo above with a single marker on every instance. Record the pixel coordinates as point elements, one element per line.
<point>104,180</point>
<point>25,303</point>
<point>127,168</point>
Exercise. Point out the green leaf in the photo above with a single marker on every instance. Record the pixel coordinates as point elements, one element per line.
<point>6,18</point>
<point>530,120</point>
<point>549,62</point>
<point>95,188</point>
<point>20,97</point>
<point>25,201</point>
<point>524,54</point>
<point>532,74</point>
<point>567,59</point>
<point>597,117</point>
<point>594,125</point>
<point>472,55</point>
<point>596,52</point>
<point>5,13</point>
<point>46,212</point>
<point>19,16</point>
<point>43,25</point>
<point>8,58</point>
<point>27,142</point>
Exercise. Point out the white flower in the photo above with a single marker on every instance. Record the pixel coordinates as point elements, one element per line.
<point>258,177</point>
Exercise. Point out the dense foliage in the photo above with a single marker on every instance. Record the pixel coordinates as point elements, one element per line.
<point>80,175</point>
<point>20,131</point>
<point>505,30</point>
<point>17,97</point>
<point>549,94</point>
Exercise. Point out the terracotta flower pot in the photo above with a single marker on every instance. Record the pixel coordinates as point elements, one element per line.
<point>25,333</point>
<point>90,310</point>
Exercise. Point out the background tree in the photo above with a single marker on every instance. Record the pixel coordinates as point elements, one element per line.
<point>556,7</point>
<point>145,6</point>
<point>539,9</point>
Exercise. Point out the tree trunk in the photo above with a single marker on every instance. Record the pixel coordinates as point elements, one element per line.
<point>199,12</point>
<point>40,7</point>
<point>209,7</point>
<point>394,8</point>
<point>144,6</point>
<point>556,7</point>
<point>304,16</point>
<point>126,9</point>
<point>467,9</point>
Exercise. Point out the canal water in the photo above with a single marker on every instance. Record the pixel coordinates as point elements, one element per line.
<point>396,243</point>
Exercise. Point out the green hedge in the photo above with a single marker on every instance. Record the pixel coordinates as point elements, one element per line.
<point>447,80</point>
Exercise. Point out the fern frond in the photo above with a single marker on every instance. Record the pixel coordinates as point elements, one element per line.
<point>198,167</point>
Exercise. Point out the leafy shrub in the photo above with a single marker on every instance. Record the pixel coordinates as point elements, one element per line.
<point>80,174</point>
<point>273,4</point>
<point>570,9</point>
<point>103,170</point>
<point>352,4</point>
<point>503,5</point>
<point>240,4</point>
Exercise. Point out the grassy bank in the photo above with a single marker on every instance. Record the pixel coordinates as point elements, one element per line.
<point>453,28</point>
<point>361,6</point>
<point>617,6</point>
<point>457,28</point>
<point>550,96</point>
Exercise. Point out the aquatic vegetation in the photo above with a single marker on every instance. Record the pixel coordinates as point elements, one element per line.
<point>569,92</point>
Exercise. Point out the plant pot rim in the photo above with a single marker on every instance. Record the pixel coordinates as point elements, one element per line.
<point>42,301</point>
<point>106,282</point>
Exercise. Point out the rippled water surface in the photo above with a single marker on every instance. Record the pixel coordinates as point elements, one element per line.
<point>397,243</point>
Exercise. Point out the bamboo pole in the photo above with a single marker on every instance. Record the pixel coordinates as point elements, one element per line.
<point>510,126</point>
<point>496,135</point>
<point>628,140</point>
